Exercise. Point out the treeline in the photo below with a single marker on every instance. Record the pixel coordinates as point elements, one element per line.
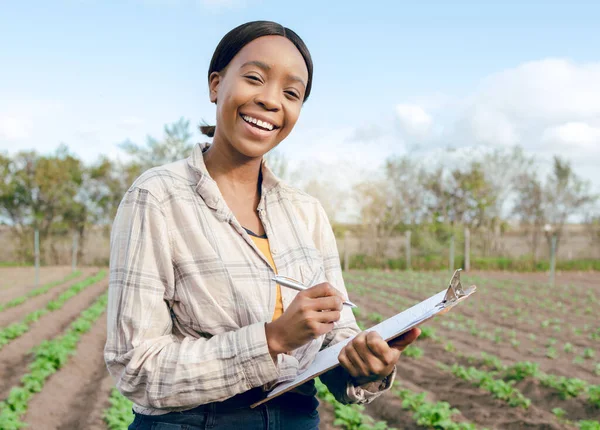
<point>59,195</point>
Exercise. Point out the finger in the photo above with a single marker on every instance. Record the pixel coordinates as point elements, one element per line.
<point>379,347</point>
<point>347,364</point>
<point>406,339</point>
<point>356,361</point>
<point>374,364</point>
<point>324,289</point>
<point>327,303</point>
<point>327,316</point>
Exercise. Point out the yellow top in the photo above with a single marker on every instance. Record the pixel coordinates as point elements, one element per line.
<point>263,245</point>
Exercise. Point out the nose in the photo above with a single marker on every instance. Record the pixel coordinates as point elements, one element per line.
<point>268,98</point>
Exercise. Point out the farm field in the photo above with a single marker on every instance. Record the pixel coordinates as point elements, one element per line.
<point>518,354</point>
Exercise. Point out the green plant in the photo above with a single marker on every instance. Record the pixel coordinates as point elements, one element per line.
<point>522,370</point>
<point>349,417</point>
<point>588,425</point>
<point>375,317</point>
<point>49,356</point>
<point>17,329</point>
<point>568,347</point>
<point>593,392</point>
<point>118,416</point>
<point>413,351</point>
<point>566,387</point>
<point>431,415</point>
<point>588,353</point>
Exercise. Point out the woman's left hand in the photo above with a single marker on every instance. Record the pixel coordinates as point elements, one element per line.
<point>369,358</point>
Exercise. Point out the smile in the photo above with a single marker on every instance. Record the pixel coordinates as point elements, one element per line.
<point>262,125</point>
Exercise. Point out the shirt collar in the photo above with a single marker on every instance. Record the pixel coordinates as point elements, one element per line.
<point>207,187</point>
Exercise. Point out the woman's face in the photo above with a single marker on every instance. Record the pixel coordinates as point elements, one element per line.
<point>259,95</point>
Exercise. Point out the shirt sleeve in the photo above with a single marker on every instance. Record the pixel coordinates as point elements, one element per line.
<point>153,367</point>
<point>338,380</point>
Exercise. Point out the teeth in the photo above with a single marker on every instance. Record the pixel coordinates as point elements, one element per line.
<point>258,122</point>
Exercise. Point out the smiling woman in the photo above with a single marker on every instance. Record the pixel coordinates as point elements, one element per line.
<point>197,329</point>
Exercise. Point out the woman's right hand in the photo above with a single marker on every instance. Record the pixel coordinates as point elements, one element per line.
<point>311,314</point>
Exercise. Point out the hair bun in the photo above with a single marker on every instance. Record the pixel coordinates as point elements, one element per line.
<point>208,130</point>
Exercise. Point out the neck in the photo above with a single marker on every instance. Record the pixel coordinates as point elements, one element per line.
<point>235,174</point>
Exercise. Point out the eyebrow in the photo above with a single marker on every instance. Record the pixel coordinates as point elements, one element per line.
<point>266,68</point>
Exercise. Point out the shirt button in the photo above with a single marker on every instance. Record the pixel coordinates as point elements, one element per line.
<point>273,251</point>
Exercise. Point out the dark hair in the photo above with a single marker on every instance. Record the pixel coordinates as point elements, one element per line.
<point>239,37</point>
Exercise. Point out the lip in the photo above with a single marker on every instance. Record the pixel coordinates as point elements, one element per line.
<point>255,132</point>
<point>262,118</point>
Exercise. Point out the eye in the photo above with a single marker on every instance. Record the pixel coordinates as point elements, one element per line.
<point>293,95</point>
<point>254,78</point>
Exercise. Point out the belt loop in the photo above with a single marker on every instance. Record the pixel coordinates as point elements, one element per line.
<point>211,415</point>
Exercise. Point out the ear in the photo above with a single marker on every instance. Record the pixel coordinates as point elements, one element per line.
<point>213,84</point>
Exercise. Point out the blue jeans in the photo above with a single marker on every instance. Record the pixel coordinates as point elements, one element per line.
<point>290,411</point>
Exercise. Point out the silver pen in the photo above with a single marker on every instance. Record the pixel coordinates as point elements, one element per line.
<point>298,286</point>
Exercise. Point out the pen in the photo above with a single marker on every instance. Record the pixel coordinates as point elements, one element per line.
<point>295,285</point>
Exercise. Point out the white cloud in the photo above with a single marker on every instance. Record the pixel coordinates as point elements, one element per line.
<point>576,135</point>
<point>413,120</point>
<point>548,90</point>
<point>549,107</point>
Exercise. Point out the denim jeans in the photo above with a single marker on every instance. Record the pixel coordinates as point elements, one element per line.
<point>290,411</point>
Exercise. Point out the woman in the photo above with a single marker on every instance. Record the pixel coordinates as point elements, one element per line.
<point>197,330</point>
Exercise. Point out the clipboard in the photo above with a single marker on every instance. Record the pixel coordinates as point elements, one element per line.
<point>389,329</point>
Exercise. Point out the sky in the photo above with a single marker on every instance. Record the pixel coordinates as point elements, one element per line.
<point>390,77</point>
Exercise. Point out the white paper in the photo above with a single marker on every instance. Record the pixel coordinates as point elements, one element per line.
<point>393,327</point>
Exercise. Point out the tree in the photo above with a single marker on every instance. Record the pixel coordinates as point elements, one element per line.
<point>565,195</point>
<point>529,208</point>
<point>39,192</point>
<point>380,214</point>
<point>175,145</point>
<point>406,179</point>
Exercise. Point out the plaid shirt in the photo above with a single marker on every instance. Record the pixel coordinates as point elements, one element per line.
<point>190,292</point>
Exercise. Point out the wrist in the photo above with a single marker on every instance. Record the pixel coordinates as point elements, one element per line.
<point>273,340</point>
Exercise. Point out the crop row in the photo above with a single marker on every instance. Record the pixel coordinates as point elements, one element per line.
<point>565,387</point>
<point>48,358</point>
<point>118,416</point>
<point>37,292</point>
<point>436,415</point>
<point>14,330</point>
<point>349,417</point>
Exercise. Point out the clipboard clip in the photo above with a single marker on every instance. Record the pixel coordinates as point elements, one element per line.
<point>455,290</point>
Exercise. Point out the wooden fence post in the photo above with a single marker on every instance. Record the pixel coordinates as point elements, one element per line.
<point>36,246</point>
<point>346,251</point>
<point>75,249</point>
<point>408,234</point>
<point>451,262</point>
<point>467,249</point>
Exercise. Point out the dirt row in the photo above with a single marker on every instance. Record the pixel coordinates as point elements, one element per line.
<point>16,313</point>
<point>16,355</point>
<point>18,281</point>
<point>527,350</point>
<point>475,405</point>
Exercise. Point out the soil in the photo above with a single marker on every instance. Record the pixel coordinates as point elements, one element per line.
<point>77,395</point>
<point>16,354</point>
<point>16,313</point>
<point>74,397</point>
<point>17,281</point>
<point>476,405</point>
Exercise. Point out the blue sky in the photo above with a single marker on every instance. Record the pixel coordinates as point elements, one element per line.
<point>390,76</point>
